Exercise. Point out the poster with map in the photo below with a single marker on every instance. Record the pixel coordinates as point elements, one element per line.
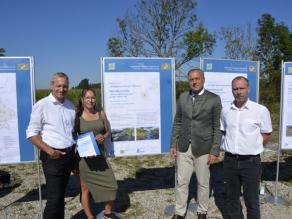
<point>15,107</point>
<point>8,119</point>
<point>138,100</point>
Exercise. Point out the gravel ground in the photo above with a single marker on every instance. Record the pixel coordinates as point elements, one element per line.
<point>146,189</point>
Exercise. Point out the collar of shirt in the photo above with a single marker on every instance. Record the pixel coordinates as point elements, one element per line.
<point>246,105</point>
<point>193,94</point>
<point>55,101</point>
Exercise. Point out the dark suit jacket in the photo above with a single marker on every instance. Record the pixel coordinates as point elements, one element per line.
<point>198,123</point>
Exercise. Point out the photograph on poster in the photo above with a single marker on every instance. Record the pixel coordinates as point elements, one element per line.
<point>288,131</point>
<point>147,133</point>
<point>125,134</point>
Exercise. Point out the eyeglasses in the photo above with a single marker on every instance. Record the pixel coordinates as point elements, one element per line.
<point>90,98</point>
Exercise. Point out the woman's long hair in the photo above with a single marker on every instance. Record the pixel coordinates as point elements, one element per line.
<point>80,107</point>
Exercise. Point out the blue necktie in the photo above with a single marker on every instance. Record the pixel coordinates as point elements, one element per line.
<point>194,96</point>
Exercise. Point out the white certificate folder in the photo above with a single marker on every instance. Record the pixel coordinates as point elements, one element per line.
<point>86,145</point>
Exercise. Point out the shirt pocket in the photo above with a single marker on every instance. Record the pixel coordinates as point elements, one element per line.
<point>250,126</point>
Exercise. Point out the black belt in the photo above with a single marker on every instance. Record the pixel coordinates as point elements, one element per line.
<point>240,157</point>
<point>69,149</point>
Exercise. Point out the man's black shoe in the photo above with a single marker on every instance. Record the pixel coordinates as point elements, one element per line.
<point>202,216</point>
<point>177,217</point>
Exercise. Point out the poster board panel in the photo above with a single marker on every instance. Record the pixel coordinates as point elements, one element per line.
<point>16,98</point>
<point>286,107</point>
<point>220,72</point>
<point>138,100</point>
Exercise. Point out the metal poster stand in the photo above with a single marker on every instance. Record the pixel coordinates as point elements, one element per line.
<point>40,186</point>
<point>276,199</point>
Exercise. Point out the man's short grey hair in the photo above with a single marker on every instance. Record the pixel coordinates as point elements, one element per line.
<point>197,70</point>
<point>59,75</point>
<point>240,78</point>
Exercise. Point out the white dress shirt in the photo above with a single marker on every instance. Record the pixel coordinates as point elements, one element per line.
<point>195,95</point>
<point>243,128</point>
<point>54,121</point>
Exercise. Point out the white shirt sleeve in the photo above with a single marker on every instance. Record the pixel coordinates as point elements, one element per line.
<point>266,123</point>
<point>35,124</point>
<point>222,125</point>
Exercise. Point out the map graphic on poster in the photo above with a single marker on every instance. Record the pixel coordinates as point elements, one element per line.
<point>8,119</point>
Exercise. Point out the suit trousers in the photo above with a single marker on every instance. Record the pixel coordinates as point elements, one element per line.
<point>186,164</point>
<point>245,173</point>
<point>57,173</point>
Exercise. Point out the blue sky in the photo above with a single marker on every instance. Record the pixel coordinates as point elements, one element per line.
<point>71,35</point>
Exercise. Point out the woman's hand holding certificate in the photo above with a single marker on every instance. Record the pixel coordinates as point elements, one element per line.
<point>87,146</point>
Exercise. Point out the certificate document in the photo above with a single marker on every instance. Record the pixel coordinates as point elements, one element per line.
<point>86,145</point>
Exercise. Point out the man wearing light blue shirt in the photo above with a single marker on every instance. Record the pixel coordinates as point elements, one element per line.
<point>50,130</point>
<point>247,127</point>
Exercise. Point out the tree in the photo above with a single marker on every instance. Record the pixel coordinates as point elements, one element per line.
<point>115,47</point>
<point>274,45</point>
<point>240,42</point>
<point>84,83</point>
<point>163,28</point>
<point>2,51</point>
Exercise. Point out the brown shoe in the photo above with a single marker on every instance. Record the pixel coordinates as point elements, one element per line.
<point>202,216</point>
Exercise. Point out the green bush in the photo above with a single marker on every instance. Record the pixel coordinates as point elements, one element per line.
<point>41,93</point>
<point>73,95</point>
<point>181,86</point>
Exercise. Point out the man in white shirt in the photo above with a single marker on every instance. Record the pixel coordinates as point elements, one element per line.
<point>247,127</point>
<point>50,130</point>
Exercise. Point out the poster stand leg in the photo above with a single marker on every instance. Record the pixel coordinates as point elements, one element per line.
<point>40,187</point>
<point>276,199</point>
<point>170,209</point>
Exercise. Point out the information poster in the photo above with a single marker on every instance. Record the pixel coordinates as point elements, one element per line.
<point>220,72</point>
<point>286,107</point>
<point>15,109</point>
<point>138,100</point>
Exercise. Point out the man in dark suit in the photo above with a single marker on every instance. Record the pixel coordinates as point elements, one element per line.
<point>195,142</point>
